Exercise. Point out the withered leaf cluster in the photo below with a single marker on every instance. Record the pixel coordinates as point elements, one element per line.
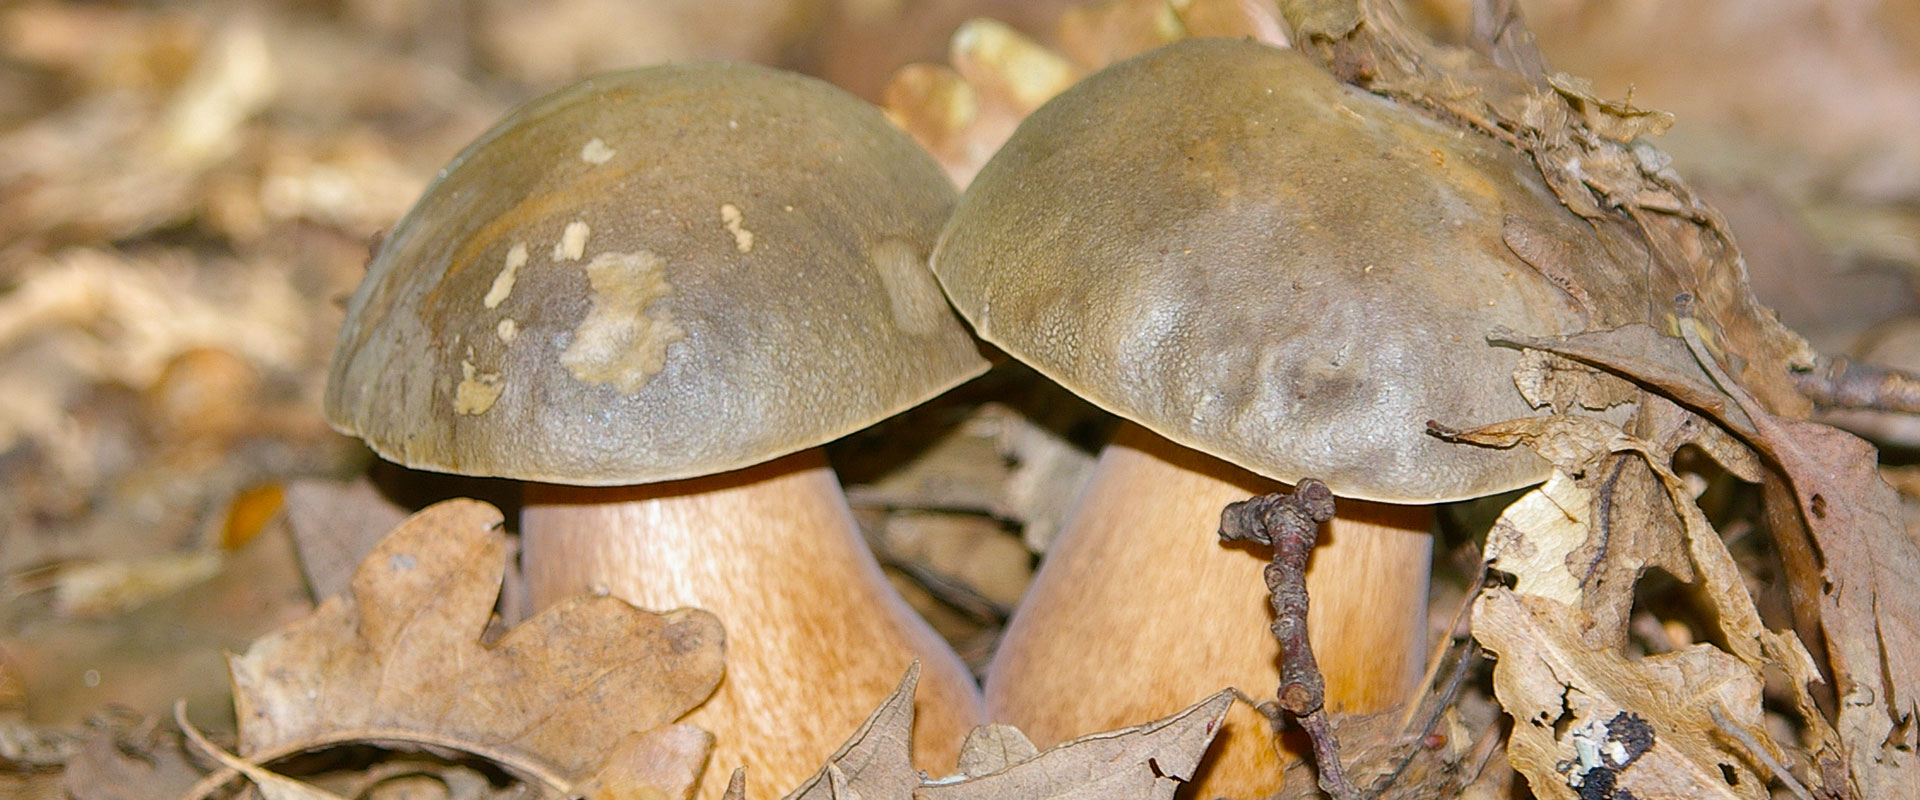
<point>579,700</point>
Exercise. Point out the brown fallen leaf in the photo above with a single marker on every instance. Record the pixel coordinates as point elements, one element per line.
<point>999,763</point>
<point>1542,540</point>
<point>1867,595</point>
<point>1570,705</point>
<point>1145,761</point>
<point>1562,384</point>
<point>397,660</point>
<point>1534,539</point>
<point>124,756</point>
<point>992,748</point>
<point>334,525</point>
<point>877,761</point>
<point>1849,556</point>
<point>664,762</point>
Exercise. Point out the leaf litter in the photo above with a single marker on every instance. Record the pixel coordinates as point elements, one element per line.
<point>1718,353</point>
<point>1143,762</point>
<point>580,700</point>
<point>580,696</point>
<point>1601,547</point>
<point>1851,516</point>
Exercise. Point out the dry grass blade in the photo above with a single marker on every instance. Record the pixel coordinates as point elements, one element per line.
<point>272,785</point>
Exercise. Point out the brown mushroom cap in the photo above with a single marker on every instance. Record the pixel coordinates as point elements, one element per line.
<point>1222,243</point>
<point>654,275</point>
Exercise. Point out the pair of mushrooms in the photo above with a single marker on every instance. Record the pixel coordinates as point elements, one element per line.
<point>708,270</point>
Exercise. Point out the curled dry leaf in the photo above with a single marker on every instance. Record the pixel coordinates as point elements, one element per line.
<point>1592,538</point>
<point>1849,557</point>
<point>1544,539</point>
<point>1569,693</point>
<point>398,660</point>
<point>1536,536</point>
<point>1558,691</point>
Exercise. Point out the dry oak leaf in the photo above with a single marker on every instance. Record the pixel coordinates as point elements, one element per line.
<point>1533,540</point>
<point>1145,761</point>
<point>876,763</point>
<point>564,700</point>
<point>1858,563</point>
<point>1569,702</point>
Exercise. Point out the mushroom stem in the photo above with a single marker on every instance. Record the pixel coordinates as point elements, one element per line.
<point>816,637</point>
<point>1138,570</point>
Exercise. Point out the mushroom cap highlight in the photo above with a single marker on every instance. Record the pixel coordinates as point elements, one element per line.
<point>654,275</point>
<point>1222,243</point>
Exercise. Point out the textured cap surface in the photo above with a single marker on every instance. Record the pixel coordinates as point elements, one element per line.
<point>1222,243</point>
<point>654,275</point>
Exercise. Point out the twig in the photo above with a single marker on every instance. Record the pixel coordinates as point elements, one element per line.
<point>1290,523</point>
<point>1455,678</point>
<point>1836,382</point>
<point>1440,649</point>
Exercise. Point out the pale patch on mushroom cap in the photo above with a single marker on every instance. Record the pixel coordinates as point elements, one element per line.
<point>740,355</point>
<point>1222,243</point>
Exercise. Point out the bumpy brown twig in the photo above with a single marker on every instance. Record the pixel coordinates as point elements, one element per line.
<point>1290,523</point>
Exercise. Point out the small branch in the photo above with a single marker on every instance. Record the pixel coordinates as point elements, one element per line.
<point>1290,523</point>
<point>1836,382</point>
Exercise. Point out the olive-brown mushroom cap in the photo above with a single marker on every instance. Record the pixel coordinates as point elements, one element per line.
<point>654,275</point>
<point>1222,243</point>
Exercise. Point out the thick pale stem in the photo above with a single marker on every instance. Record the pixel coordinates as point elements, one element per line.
<point>1138,610</point>
<point>816,638</point>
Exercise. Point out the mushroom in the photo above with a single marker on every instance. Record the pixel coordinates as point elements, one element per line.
<point>1273,276</point>
<point>653,295</point>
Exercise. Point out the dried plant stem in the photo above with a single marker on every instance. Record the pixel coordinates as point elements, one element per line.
<point>1747,740</point>
<point>1290,523</point>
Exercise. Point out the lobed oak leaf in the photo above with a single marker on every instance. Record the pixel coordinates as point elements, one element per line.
<point>398,659</point>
